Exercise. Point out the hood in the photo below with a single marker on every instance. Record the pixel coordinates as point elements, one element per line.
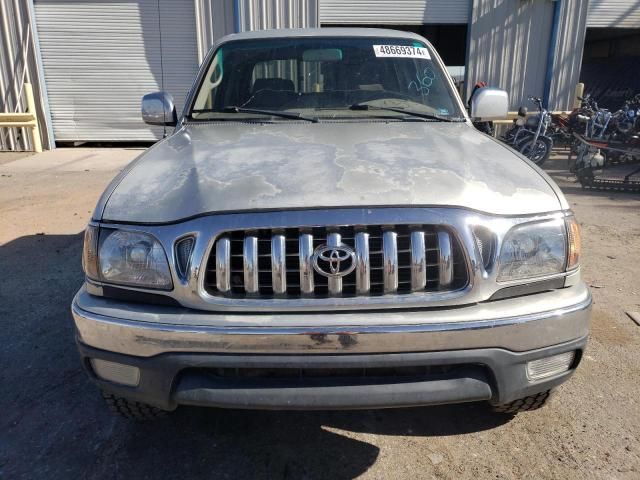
<point>233,166</point>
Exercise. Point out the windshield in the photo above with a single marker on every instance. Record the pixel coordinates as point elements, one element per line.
<point>325,77</point>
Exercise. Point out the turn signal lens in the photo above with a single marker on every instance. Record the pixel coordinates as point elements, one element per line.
<point>90,252</point>
<point>573,237</point>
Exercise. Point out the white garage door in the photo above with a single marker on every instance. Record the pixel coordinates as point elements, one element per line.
<point>408,12</point>
<point>101,56</point>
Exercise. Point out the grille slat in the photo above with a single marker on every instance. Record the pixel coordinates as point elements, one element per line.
<point>223,264</point>
<point>250,268</point>
<point>398,259</point>
<point>445,259</point>
<point>390,261</point>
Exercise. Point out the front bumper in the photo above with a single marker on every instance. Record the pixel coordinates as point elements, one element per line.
<point>485,355</point>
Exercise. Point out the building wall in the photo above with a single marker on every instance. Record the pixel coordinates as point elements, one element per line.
<point>214,19</point>
<point>501,36</point>
<point>614,13</point>
<point>508,41</point>
<point>19,65</point>
<point>568,54</point>
<point>266,14</point>
<point>217,18</point>
<point>407,12</point>
<point>509,46</point>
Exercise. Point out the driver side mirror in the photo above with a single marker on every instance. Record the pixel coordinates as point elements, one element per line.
<point>158,109</point>
<point>489,104</point>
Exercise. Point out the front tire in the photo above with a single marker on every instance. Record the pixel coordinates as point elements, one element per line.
<point>538,153</point>
<point>532,402</point>
<point>131,409</point>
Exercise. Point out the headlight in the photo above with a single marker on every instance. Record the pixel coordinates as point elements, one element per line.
<point>533,250</point>
<point>127,258</point>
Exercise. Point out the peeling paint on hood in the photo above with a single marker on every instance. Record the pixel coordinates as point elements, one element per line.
<point>232,166</point>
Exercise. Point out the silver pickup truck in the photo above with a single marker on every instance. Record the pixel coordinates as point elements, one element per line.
<point>325,229</point>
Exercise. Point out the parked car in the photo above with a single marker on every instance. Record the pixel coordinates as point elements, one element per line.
<point>325,229</point>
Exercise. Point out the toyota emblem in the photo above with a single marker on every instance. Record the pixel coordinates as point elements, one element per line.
<point>334,262</point>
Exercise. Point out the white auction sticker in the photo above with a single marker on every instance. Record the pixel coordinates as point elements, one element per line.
<point>406,51</point>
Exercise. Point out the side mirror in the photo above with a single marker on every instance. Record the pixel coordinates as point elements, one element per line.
<point>158,109</point>
<point>489,104</point>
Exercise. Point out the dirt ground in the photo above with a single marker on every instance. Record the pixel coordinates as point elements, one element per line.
<point>53,423</point>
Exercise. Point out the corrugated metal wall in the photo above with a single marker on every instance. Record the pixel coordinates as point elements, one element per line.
<point>179,48</point>
<point>216,18</point>
<point>614,13</point>
<point>100,57</point>
<point>509,43</point>
<point>508,46</point>
<point>261,14</point>
<point>18,65</point>
<point>568,54</point>
<point>405,12</point>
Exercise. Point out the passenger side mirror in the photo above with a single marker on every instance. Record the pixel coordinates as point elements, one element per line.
<point>158,109</point>
<point>489,104</point>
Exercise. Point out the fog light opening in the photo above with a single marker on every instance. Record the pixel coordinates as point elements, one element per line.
<point>550,366</point>
<point>116,372</point>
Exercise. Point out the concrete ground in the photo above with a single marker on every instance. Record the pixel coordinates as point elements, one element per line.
<point>53,423</point>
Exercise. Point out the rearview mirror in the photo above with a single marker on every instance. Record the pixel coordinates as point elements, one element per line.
<point>322,55</point>
<point>158,109</point>
<point>489,104</point>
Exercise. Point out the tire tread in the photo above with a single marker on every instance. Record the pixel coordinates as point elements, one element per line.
<point>532,402</point>
<point>131,409</point>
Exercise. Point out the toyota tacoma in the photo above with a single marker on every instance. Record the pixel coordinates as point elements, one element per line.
<point>323,228</point>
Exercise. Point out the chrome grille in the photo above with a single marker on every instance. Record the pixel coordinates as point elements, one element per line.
<point>388,260</point>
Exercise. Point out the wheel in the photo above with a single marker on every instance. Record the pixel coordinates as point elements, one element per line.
<point>539,153</point>
<point>131,409</point>
<point>532,402</point>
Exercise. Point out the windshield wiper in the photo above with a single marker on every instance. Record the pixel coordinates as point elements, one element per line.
<point>426,116</point>
<point>274,113</point>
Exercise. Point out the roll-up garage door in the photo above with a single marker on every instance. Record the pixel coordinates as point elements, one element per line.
<point>101,56</point>
<point>409,12</point>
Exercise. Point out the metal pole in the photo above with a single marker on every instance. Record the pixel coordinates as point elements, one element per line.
<point>9,66</point>
<point>43,96</point>
<point>579,93</point>
<point>31,108</point>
